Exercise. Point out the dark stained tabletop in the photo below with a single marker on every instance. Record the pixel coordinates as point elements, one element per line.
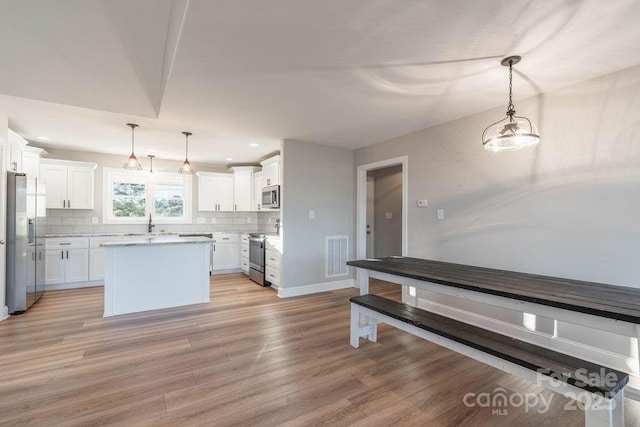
<point>614,302</point>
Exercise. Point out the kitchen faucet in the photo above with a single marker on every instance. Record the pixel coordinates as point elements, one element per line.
<point>150,225</point>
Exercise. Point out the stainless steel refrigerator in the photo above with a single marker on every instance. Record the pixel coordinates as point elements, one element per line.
<point>26,211</point>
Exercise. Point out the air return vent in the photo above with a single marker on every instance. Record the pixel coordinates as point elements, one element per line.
<point>336,254</point>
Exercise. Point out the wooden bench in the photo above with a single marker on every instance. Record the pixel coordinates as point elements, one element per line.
<point>600,389</point>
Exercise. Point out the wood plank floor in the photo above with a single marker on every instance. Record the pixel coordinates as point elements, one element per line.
<point>247,358</point>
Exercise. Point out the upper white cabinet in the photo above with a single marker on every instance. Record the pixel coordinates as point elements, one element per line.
<point>15,148</point>
<point>69,183</point>
<point>257,191</point>
<point>31,160</point>
<point>215,191</point>
<point>243,190</point>
<point>271,171</point>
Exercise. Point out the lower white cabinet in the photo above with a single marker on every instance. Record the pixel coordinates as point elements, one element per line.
<point>226,252</point>
<point>67,260</point>
<point>273,260</point>
<point>244,253</point>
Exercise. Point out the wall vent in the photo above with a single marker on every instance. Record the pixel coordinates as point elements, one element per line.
<point>337,252</point>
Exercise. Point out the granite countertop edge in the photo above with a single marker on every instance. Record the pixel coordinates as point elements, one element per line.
<point>54,235</point>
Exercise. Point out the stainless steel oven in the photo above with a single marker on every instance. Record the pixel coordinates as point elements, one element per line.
<point>256,258</point>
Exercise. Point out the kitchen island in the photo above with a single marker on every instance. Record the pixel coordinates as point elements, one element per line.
<point>155,272</point>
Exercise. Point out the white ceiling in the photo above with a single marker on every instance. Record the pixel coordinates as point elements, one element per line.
<point>334,72</point>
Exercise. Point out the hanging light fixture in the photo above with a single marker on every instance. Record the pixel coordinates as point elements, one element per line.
<point>186,168</point>
<point>150,156</point>
<point>513,132</point>
<point>132,162</point>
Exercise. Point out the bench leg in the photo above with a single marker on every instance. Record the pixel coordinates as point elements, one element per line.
<point>608,414</point>
<point>362,326</point>
<point>355,325</point>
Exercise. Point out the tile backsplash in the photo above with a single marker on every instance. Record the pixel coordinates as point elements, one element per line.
<point>79,221</point>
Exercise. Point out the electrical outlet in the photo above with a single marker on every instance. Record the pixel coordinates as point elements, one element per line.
<point>312,214</point>
<point>388,215</point>
<point>440,213</point>
<point>248,220</point>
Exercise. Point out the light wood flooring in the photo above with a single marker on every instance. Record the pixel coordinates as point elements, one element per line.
<point>247,358</point>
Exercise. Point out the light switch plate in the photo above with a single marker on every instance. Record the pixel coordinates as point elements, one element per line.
<point>422,203</point>
<point>312,214</point>
<point>440,213</point>
<point>388,215</point>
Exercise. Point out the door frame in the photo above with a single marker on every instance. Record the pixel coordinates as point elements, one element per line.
<point>361,203</point>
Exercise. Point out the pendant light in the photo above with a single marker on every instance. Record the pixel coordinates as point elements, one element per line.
<point>186,168</point>
<point>132,162</point>
<point>513,132</point>
<point>150,156</point>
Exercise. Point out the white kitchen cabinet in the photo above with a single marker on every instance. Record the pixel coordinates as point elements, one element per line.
<point>15,149</point>
<point>69,183</point>
<point>31,160</point>
<point>67,260</point>
<point>257,191</point>
<point>215,191</point>
<point>244,253</point>
<point>243,187</point>
<point>226,253</point>
<point>273,260</point>
<point>96,255</point>
<point>271,171</point>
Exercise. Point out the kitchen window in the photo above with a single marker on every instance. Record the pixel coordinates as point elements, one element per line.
<point>130,196</point>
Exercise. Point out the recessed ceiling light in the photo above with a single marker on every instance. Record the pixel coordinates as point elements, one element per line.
<point>253,144</point>
<point>44,138</point>
<point>228,159</point>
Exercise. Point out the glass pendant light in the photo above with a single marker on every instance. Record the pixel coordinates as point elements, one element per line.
<point>513,132</point>
<point>132,162</point>
<point>186,168</point>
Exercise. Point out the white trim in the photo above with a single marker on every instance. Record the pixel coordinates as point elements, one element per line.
<point>361,202</point>
<point>315,288</point>
<point>75,285</point>
<point>226,271</point>
<point>5,313</point>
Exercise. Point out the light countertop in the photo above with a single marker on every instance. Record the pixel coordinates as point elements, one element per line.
<point>159,240</point>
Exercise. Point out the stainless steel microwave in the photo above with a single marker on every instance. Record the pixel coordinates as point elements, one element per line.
<point>271,196</point>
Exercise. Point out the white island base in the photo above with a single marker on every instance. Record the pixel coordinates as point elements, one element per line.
<point>153,274</point>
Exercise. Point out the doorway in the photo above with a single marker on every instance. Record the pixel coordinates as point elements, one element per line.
<point>363,172</point>
<point>384,212</point>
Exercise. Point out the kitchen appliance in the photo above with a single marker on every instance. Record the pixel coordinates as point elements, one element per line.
<point>256,258</point>
<point>26,211</point>
<point>210,236</point>
<point>271,197</point>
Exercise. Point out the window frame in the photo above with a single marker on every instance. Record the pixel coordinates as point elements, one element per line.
<point>150,180</point>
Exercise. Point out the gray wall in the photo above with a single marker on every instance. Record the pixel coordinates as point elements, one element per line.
<point>317,178</point>
<point>387,199</point>
<point>568,207</point>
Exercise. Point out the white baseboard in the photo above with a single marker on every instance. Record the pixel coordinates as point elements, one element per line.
<point>227,271</point>
<point>315,288</point>
<point>5,313</point>
<point>63,286</point>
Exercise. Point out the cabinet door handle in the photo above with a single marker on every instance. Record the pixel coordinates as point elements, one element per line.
<point>61,254</point>
<point>67,254</point>
<point>225,238</point>
<point>214,248</point>
<point>68,203</point>
<point>64,244</point>
<point>235,207</point>
<point>64,203</point>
